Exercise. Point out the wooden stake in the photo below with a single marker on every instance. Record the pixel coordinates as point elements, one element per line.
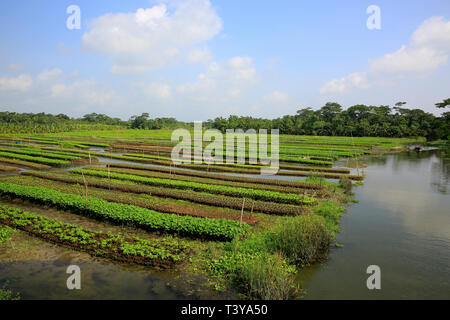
<point>242,212</point>
<point>109,177</point>
<point>90,162</point>
<point>85,189</point>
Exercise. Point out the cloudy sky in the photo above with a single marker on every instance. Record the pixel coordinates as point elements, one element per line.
<point>199,59</point>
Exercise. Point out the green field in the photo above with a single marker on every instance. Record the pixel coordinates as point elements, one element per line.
<point>219,219</point>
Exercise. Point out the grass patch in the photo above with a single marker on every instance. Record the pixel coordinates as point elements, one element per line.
<point>263,265</point>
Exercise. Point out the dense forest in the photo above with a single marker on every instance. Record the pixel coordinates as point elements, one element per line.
<point>358,120</point>
<point>330,120</point>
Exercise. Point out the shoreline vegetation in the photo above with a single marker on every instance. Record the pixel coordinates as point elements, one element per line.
<point>245,233</point>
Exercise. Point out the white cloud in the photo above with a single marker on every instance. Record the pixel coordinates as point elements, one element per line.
<point>243,68</point>
<point>277,97</point>
<point>21,83</point>
<point>433,33</point>
<point>154,37</point>
<point>199,56</point>
<point>353,80</point>
<point>86,92</point>
<point>408,59</point>
<point>428,50</point>
<point>155,90</point>
<point>222,81</point>
<point>47,75</point>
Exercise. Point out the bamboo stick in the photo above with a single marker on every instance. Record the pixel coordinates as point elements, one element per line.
<point>242,212</point>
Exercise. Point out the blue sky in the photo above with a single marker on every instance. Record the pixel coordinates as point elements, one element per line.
<point>199,59</point>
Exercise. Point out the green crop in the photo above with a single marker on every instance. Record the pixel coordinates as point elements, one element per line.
<point>129,214</point>
<point>110,245</point>
<point>47,161</point>
<point>38,152</point>
<point>196,197</point>
<point>225,190</point>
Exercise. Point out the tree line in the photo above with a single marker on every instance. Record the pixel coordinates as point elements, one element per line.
<point>330,120</point>
<point>357,120</point>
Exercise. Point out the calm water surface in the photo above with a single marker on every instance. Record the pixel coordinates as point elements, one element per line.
<point>401,224</point>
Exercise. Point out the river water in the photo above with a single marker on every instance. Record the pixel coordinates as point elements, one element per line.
<point>401,224</point>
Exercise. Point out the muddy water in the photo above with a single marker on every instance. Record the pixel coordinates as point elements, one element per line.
<point>401,224</point>
<point>37,269</point>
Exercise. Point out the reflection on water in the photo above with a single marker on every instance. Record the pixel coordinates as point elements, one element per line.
<point>401,224</point>
<point>36,279</point>
<point>37,270</point>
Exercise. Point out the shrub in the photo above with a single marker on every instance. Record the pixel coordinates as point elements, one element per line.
<point>302,239</point>
<point>346,185</point>
<point>331,212</point>
<point>262,276</point>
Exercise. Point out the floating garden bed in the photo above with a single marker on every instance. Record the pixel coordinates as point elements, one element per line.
<point>155,252</point>
<point>217,229</point>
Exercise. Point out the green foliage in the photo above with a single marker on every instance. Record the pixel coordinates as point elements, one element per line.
<point>443,104</point>
<point>261,181</point>
<point>356,121</point>
<point>109,244</point>
<point>12,122</point>
<point>317,180</point>
<point>25,163</point>
<point>7,295</point>
<point>225,190</point>
<point>128,214</point>
<point>5,233</point>
<point>263,265</point>
<point>205,179</point>
<point>331,211</point>
<point>40,153</point>
<point>46,161</point>
<point>196,197</point>
<point>142,198</point>
<point>260,276</point>
<point>143,122</point>
<point>302,239</point>
<point>346,185</point>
